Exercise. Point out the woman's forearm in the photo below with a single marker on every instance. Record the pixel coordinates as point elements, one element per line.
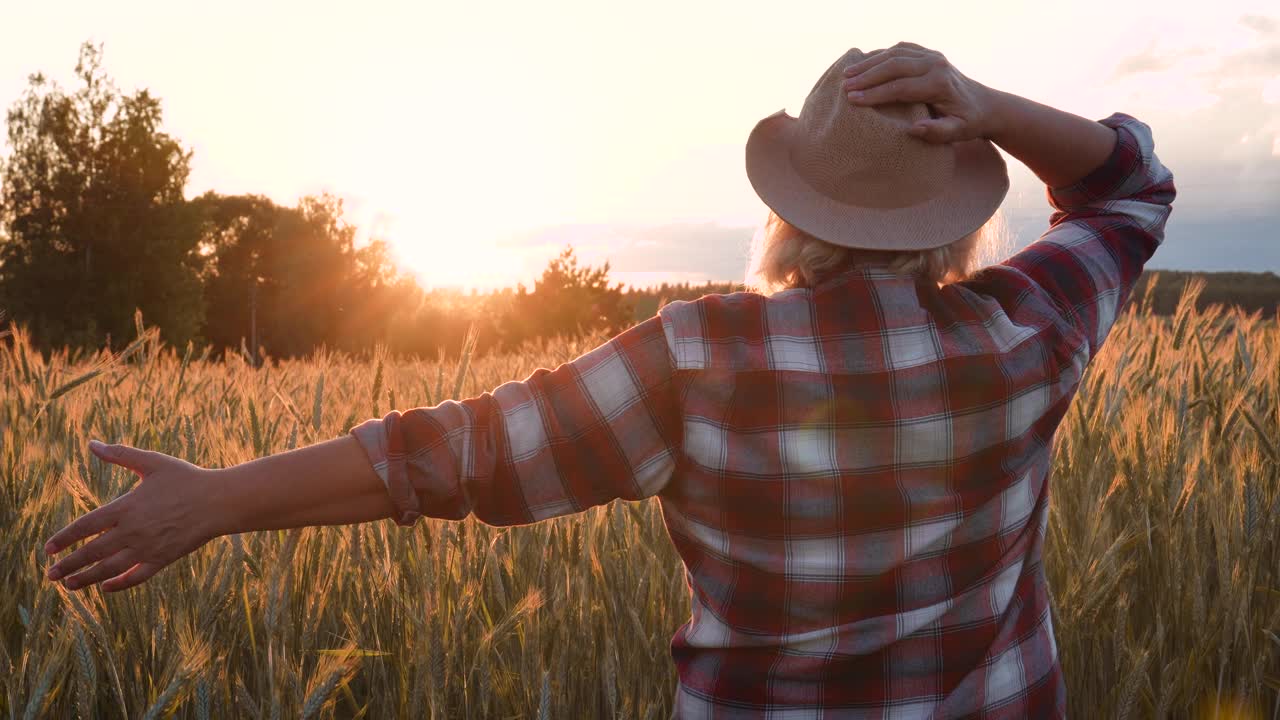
<point>329,483</point>
<point>1059,147</point>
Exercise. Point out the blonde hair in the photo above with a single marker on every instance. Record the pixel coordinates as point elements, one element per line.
<point>785,257</point>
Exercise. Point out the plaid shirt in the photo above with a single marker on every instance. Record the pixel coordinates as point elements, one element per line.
<point>855,474</point>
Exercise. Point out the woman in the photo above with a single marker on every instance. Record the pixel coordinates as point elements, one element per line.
<point>853,468</point>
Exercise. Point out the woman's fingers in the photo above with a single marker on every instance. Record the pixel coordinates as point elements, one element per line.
<point>877,57</point>
<point>91,523</point>
<point>890,69</point>
<point>99,548</point>
<point>109,568</point>
<point>137,574</point>
<point>871,60</point>
<point>140,461</point>
<point>911,89</point>
<point>939,130</point>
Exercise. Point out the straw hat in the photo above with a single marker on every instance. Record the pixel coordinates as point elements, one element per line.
<point>853,176</point>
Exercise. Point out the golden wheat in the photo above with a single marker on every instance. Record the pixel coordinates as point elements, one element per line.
<point>1162,557</point>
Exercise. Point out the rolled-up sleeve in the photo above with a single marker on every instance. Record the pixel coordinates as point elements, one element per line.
<point>1103,230</point>
<point>601,427</point>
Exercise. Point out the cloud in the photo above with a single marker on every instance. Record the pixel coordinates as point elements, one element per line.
<point>1264,60</point>
<point>1252,59</point>
<point>1215,107</point>
<point>1262,24</point>
<point>1146,61</point>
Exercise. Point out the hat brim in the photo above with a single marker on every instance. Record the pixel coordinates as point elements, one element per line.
<point>979,186</point>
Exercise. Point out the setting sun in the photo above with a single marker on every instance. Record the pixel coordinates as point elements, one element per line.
<point>439,257</point>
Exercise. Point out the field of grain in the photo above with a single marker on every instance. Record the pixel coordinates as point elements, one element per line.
<point>1162,552</point>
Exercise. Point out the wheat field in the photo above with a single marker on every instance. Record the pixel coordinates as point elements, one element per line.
<point>1162,554</point>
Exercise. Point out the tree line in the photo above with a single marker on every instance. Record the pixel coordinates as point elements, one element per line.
<point>1249,291</point>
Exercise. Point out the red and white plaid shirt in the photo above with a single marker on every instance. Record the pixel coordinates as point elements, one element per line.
<point>855,474</point>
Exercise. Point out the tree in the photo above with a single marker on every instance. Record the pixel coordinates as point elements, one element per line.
<point>568,299</point>
<point>293,275</point>
<point>94,218</point>
<point>378,297</point>
<point>234,232</point>
<point>311,263</point>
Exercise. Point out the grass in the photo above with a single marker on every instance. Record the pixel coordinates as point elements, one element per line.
<point>1162,554</point>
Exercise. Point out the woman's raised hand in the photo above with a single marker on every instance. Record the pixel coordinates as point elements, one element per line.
<point>963,109</point>
<point>161,519</point>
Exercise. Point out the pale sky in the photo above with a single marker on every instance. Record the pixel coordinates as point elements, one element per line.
<point>479,138</point>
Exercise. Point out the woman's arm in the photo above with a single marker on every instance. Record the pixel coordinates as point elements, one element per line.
<point>603,426</point>
<point>1111,195</point>
<point>178,507</point>
<point>1059,147</point>
<point>328,483</point>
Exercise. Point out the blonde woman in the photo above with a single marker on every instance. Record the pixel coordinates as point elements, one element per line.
<point>853,465</point>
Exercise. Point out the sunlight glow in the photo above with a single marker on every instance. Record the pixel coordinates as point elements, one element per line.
<point>443,257</point>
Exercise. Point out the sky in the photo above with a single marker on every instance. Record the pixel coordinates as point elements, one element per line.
<point>479,139</point>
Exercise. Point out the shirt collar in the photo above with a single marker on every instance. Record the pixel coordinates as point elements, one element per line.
<point>871,270</point>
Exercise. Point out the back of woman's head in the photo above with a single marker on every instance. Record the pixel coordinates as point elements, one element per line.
<point>785,257</point>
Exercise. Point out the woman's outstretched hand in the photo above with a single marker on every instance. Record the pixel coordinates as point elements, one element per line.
<point>160,520</point>
<point>907,72</point>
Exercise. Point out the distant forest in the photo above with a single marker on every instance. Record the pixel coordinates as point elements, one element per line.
<point>1248,291</point>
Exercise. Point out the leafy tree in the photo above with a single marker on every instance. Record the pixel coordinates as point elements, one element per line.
<point>568,299</point>
<point>294,274</point>
<point>234,232</point>
<point>94,218</point>
<point>377,296</point>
